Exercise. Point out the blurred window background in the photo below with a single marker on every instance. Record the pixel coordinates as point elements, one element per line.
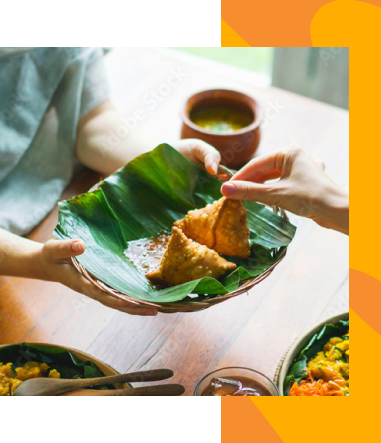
<point>319,73</point>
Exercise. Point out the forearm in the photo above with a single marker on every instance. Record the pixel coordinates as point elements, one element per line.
<point>51,261</point>
<point>19,256</point>
<point>107,140</point>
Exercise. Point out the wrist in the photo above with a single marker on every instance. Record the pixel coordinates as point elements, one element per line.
<point>334,210</point>
<point>32,262</point>
<point>20,257</point>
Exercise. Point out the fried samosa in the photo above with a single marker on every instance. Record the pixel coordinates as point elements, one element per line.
<point>185,260</point>
<point>220,226</point>
<point>232,233</point>
<point>200,224</point>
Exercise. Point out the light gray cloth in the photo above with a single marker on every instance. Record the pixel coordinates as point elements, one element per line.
<point>7,51</point>
<point>43,94</point>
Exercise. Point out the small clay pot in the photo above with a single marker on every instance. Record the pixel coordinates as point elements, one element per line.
<point>237,148</point>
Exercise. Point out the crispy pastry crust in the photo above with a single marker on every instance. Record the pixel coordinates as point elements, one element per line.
<point>185,260</point>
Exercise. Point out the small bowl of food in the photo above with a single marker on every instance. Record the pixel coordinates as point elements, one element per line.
<point>228,120</point>
<point>236,382</point>
<point>317,363</point>
<point>23,361</point>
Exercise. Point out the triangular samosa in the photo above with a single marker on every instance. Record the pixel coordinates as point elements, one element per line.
<point>231,233</point>
<point>185,260</point>
<point>199,224</point>
<point>220,226</point>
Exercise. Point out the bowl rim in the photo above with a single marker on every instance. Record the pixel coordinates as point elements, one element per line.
<point>237,367</point>
<point>298,344</point>
<point>77,353</point>
<point>253,126</point>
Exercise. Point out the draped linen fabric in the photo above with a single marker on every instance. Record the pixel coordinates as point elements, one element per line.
<point>43,94</point>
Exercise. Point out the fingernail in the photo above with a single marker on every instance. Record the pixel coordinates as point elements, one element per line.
<point>214,167</point>
<point>76,246</point>
<point>228,189</point>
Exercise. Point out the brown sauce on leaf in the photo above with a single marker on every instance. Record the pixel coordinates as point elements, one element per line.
<point>146,253</point>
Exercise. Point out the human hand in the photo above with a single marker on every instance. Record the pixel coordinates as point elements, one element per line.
<point>54,260</point>
<point>199,151</point>
<point>303,187</point>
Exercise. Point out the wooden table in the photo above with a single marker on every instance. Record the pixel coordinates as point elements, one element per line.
<point>251,330</point>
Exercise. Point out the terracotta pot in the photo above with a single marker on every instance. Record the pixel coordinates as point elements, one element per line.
<point>236,149</point>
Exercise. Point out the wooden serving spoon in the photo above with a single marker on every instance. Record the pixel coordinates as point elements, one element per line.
<point>163,390</point>
<point>58,386</point>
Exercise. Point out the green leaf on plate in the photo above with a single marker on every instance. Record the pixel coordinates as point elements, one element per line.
<point>143,199</point>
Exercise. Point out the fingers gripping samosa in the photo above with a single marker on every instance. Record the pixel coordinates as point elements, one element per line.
<point>185,260</point>
<point>220,226</point>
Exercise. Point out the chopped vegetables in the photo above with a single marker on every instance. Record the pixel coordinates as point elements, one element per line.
<point>327,372</point>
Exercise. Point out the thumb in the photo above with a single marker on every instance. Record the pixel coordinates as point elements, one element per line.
<point>249,191</point>
<point>57,249</point>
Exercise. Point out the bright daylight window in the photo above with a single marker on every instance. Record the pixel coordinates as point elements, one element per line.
<point>256,60</point>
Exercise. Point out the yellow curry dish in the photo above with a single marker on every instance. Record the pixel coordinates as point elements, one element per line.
<point>10,378</point>
<point>223,120</point>
<point>327,374</point>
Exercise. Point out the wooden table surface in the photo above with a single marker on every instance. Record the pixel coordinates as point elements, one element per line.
<point>251,330</point>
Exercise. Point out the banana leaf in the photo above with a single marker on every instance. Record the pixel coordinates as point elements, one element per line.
<point>296,372</point>
<point>143,199</point>
<point>63,361</point>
